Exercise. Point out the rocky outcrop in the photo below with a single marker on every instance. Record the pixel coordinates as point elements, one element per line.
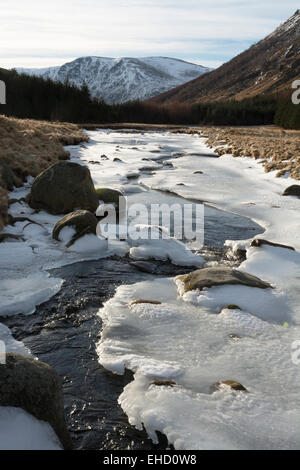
<point>293,190</point>
<point>62,188</point>
<point>35,387</point>
<point>220,276</point>
<point>82,221</point>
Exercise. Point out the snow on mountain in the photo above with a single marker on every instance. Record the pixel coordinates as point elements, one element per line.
<point>123,79</point>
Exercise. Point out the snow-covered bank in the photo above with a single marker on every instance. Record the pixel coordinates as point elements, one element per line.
<point>195,346</point>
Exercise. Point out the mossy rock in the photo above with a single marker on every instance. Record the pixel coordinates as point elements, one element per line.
<point>83,222</point>
<point>210,277</point>
<point>109,196</point>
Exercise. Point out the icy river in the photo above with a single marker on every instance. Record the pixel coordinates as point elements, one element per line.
<point>71,308</point>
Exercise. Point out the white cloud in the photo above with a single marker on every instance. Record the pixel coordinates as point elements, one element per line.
<point>36,33</point>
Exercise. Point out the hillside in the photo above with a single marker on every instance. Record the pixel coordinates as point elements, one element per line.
<point>124,79</point>
<point>268,67</point>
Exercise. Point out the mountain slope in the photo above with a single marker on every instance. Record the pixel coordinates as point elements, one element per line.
<point>124,79</point>
<point>268,67</point>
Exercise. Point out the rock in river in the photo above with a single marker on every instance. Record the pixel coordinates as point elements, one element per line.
<point>210,277</point>
<point>34,386</point>
<point>62,188</point>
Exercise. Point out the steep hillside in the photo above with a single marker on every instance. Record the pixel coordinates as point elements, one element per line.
<point>268,67</point>
<point>124,79</point>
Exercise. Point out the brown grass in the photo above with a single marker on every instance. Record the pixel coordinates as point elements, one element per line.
<point>27,147</point>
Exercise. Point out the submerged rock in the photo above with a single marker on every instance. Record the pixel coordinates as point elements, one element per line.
<point>293,190</point>
<point>82,221</point>
<point>62,188</point>
<point>219,276</point>
<point>34,386</point>
<point>229,383</point>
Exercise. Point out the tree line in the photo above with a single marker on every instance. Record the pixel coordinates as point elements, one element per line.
<point>38,98</point>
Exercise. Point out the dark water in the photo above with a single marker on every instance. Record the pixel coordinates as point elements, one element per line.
<point>63,333</point>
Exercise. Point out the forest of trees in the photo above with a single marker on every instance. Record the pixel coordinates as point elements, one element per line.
<point>37,98</point>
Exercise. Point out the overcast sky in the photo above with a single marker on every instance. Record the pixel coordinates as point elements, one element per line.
<point>37,33</point>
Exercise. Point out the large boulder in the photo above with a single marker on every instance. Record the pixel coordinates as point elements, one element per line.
<point>35,387</point>
<point>82,221</point>
<point>62,188</point>
<point>220,276</point>
<point>293,190</point>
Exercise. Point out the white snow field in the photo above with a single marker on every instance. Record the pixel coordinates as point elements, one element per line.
<point>185,338</point>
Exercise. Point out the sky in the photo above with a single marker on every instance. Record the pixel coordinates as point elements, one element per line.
<point>39,33</point>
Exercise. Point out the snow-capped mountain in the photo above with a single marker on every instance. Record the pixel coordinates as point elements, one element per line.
<point>123,79</point>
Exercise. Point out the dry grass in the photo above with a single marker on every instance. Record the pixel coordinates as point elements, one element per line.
<point>277,148</point>
<point>27,147</point>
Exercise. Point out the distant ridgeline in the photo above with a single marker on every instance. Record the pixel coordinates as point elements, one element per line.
<point>36,98</point>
